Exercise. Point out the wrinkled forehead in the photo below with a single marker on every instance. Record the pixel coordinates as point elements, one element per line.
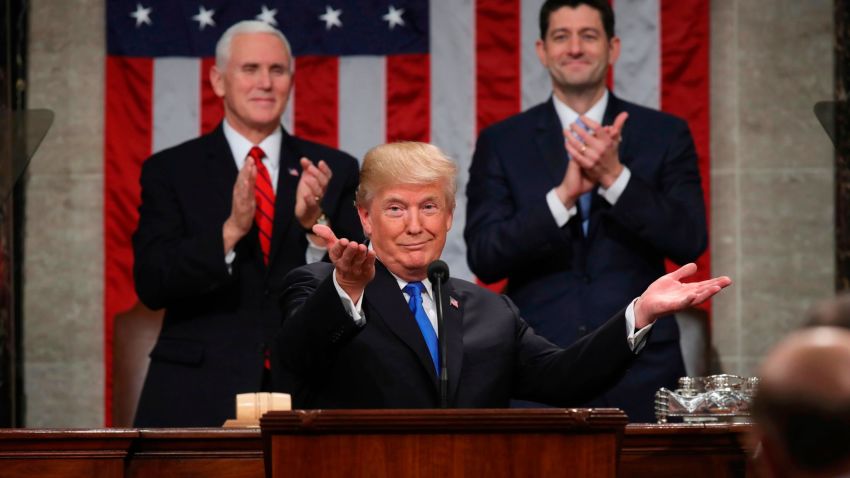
<point>252,47</point>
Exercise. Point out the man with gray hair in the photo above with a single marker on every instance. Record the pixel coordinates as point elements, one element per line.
<point>802,408</point>
<point>362,333</point>
<point>223,218</point>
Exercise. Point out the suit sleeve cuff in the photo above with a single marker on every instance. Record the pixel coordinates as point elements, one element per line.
<point>315,252</point>
<point>612,194</point>
<point>636,338</point>
<point>354,310</point>
<point>560,213</point>
<point>228,260</point>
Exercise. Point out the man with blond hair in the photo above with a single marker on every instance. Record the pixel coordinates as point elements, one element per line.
<point>361,333</point>
<point>223,218</point>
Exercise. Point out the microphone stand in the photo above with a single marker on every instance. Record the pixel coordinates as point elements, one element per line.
<point>444,370</point>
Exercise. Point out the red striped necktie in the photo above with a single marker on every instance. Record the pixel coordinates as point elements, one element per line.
<point>264,195</point>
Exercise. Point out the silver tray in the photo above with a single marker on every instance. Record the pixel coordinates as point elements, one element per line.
<point>715,398</point>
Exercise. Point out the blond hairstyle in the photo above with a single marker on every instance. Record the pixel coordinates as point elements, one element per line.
<point>405,162</point>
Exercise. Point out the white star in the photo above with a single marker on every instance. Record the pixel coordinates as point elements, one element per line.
<point>142,15</point>
<point>331,18</point>
<point>267,16</point>
<point>393,16</point>
<point>204,17</point>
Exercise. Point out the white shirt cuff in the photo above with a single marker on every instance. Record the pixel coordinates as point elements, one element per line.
<point>613,193</point>
<point>228,260</point>
<point>315,252</point>
<point>560,212</point>
<point>636,339</point>
<point>354,310</point>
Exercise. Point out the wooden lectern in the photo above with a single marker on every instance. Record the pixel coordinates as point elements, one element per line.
<point>487,443</point>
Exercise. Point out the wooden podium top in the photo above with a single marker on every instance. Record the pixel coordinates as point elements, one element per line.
<point>538,420</point>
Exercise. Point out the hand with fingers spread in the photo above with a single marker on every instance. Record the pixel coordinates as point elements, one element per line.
<point>242,208</point>
<point>310,191</point>
<point>668,294</point>
<point>597,150</point>
<point>354,264</point>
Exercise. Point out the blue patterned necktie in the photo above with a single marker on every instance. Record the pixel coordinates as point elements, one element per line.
<point>414,290</point>
<point>585,199</point>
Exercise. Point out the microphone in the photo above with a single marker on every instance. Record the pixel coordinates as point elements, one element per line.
<point>438,274</point>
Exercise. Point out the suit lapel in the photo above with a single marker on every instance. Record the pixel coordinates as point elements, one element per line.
<point>221,167</point>
<point>289,173</point>
<point>550,141</point>
<point>453,322</point>
<point>385,298</point>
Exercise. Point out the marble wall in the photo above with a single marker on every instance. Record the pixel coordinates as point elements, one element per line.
<point>772,191</point>
<point>772,170</point>
<point>63,261</point>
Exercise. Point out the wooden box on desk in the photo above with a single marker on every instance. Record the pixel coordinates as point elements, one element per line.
<point>447,443</point>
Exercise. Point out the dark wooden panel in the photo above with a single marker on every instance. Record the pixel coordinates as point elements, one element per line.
<point>64,453</point>
<point>685,450</point>
<point>445,443</point>
<point>200,452</point>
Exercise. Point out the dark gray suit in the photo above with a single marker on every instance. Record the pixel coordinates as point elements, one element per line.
<point>327,361</point>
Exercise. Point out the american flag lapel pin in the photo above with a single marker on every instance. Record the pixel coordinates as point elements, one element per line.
<point>293,172</point>
<point>453,302</point>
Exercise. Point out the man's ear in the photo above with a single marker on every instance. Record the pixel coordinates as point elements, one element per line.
<point>217,81</point>
<point>540,49</point>
<point>365,220</point>
<point>613,50</point>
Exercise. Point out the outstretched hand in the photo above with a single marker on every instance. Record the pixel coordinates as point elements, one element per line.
<point>354,263</point>
<point>668,294</point>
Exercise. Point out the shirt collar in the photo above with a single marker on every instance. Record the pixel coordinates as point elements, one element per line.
<point>568,116</point>
<point>402,283</point>
<point>240,146</point>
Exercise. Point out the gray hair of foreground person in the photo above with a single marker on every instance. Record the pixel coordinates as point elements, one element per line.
<point>802,408</point>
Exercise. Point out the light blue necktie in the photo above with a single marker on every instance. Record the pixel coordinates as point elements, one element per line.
<point>585,199</point>
<point>414,290</point>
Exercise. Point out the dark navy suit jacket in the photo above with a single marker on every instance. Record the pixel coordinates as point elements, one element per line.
<point>566,285</point>
<point>326,360</point>
<point>217,324</point>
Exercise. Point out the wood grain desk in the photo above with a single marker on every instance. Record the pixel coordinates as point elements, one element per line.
<point>658,451</point>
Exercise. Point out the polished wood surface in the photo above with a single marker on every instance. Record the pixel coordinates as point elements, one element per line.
<point>713,450</point>
<point>465,446</point>
<point>198,452</point>
<point>64,453</point>
<point>445,443</point>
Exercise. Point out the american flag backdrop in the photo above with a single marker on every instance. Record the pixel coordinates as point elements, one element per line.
<point>368,72</point>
